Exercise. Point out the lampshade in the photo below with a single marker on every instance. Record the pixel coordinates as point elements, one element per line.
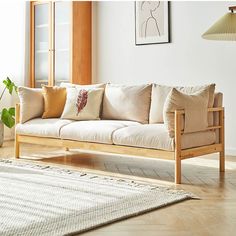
<point>223,29</point>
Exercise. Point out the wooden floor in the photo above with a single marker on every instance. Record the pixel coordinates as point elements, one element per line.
<point>214,214</point>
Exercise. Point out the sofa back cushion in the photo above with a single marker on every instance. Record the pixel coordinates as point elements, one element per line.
<point>83,104</point>
<point>160,93</point>
<point>87,86</point>
<point>127,102</point>
<point>31,103</point>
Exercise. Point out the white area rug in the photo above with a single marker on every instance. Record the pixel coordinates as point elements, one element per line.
<point>45,200</point>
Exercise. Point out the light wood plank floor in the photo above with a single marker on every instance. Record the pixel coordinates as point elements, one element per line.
<point>214,214</point>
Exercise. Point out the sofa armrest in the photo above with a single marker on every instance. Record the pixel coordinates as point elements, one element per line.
<point>17,113</point>
<point>179,126</point>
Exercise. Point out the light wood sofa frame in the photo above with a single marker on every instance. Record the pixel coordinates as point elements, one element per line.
<point>177,155</point>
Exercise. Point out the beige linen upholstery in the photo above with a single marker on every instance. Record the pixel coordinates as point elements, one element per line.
<point>195,106</point>
<point>31,103</point>
<point>218,102</point>
<point>42,127</point>
<point>87,86</point>
<point>123,102</point>
<point>147,136</point>
<point>160,93</point>
<point>98,131</point>
<point>156,136</point>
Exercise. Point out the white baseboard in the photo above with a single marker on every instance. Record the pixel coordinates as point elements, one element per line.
<point>9,134</point>
<point>230,151</point>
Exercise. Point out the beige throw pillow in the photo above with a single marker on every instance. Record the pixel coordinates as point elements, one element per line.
<point>31,103</point>
<point>127,102</point>
<point>160,93</point>
<point>83,104</point>
<point>195,106</point>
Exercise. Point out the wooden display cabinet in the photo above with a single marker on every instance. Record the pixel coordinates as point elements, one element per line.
<point>60,42</point>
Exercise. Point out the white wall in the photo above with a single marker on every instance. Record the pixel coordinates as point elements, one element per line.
<point>12,47</point>
<point>187,60</point>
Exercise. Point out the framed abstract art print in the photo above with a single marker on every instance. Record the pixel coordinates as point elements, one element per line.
<point>151,22</point>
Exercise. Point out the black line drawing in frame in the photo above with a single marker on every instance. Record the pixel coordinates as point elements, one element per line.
<point>151,19</point>
<point>151,22</point>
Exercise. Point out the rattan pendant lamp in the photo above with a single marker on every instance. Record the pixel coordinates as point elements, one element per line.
<point>224,28</point>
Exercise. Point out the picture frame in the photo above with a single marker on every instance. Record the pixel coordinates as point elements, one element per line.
<point>151,22</point>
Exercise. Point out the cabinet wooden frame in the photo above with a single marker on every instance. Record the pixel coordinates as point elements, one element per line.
<point>177,155</point>
<point>80,42</point>
<point>32,39</point>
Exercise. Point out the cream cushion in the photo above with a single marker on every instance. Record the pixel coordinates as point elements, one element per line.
<point>87,86</point>
<point>83,104</point>
<point>156,136</point>
<point>98,131</point>
<point>31,103</point>
<point>42,127</point>
<point>123,102</point>
<point>195,106</point>
<point>160,93</point>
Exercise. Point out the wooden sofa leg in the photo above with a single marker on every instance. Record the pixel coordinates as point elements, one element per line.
<point>177,169</point>
<point>222,141</point>
<point>222,161</point>
<point>17,147</point>
<point>177,147</point>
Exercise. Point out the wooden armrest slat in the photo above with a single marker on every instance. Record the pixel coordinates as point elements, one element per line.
<point>213,127</point>
<point>208,128</point>
<point>212,109</point>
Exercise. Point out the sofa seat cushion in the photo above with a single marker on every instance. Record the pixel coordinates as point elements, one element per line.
<point>42,127</point>
<point>97,131</point>
<point>156,136</point>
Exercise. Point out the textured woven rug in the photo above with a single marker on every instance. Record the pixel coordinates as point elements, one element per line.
<point>44,200</point>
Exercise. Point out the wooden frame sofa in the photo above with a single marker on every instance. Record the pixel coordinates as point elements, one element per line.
<point>178,155</point>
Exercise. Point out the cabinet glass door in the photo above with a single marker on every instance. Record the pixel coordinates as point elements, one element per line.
<point>62,26</point>
<point>41,44</point>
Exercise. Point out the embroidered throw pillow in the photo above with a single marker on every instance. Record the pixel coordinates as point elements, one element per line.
<point>83,104</point>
